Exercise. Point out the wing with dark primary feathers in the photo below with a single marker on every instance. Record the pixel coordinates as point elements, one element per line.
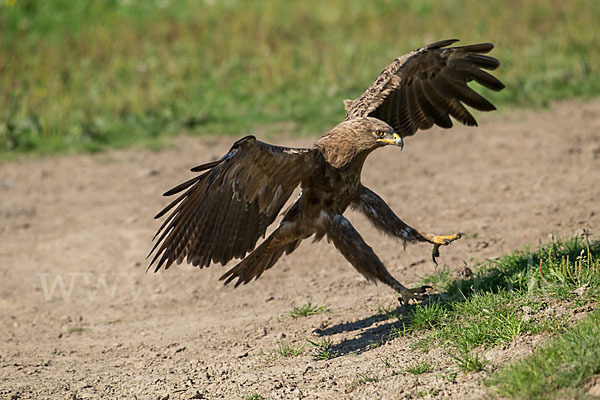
<point>225,210</point>
<point>427,86</point>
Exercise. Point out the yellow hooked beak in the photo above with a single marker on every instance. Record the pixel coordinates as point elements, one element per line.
<point>396,140</point>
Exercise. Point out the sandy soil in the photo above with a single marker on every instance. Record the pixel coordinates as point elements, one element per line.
<point>113,331</point>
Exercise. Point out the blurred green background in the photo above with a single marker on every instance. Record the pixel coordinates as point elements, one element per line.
<point>84,75</point>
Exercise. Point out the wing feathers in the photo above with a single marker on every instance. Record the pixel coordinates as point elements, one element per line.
<point>477,48</point>
<point>181,187</point>
<point>452,90</point>
<point>223,212</point>
<point>429,85</point>
<point>206,166</point>
<point>479,76</point>
<point>438,116</point>
<point>461,114</point>
<point>439,102</point>
<point>404,116</point>
<point>441,43</point>
<point>482,61</point>
<point>416,111</point>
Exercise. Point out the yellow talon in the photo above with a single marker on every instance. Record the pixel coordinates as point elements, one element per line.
<point>444,240</point>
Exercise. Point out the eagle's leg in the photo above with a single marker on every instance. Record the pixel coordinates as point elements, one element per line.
<point>406,294</point>
<point>382,216</point>
<point>418,293</point>
<point>442,240</point>
<point>348,241</point>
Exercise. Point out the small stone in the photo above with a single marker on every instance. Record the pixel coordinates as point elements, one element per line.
<point>580,291</point>
<point>261,332</point>
<point>198,395</point>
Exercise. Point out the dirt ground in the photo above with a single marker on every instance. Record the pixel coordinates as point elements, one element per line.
<point>82,319</point>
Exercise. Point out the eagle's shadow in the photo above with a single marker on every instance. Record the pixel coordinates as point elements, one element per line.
<point>490,278</point>
<point>371,336</point>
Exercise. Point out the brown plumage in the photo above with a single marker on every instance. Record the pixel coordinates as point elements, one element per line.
<point>223,212</point>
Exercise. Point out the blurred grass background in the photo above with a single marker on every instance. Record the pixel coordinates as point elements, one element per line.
<point>84,75</point>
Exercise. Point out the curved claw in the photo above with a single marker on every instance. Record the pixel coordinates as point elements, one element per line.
<point>435,253</point>
<point>443,241</point>
<point>418,294</point>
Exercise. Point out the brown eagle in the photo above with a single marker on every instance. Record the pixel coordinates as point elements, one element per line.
<point>223,212</point>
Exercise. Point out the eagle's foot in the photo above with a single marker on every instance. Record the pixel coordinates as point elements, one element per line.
<point>443,241</point>
<point>446,240</point>
<point>417,294</point>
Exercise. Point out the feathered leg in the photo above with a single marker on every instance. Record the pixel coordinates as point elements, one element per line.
<point>349,242</point>
<point>382,216</point>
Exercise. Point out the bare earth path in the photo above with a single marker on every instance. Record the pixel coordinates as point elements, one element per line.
<point>113,331</point>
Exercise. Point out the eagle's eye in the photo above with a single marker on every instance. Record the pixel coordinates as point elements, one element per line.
<point>379,133</point>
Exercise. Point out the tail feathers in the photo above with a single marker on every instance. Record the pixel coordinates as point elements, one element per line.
<point>257,262</point>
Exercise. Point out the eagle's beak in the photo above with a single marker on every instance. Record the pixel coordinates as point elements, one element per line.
<point>395,140</point>
<point>398,141</point>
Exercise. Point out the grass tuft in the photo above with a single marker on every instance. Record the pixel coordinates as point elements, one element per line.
<point>366,377</point>
<point>322,348</point>
<point>418,368</point>
<point>285,349</point>
<point>468,361</point>
<point>361,379</point>
<point>388,362</point>
<point>307,309</point>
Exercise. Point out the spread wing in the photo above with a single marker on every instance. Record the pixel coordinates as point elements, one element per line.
<point>427,86</point>
<point>225,210</point>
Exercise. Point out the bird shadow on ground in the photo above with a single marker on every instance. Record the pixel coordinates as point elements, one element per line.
<point>370,336</point>
<point>490,278</point>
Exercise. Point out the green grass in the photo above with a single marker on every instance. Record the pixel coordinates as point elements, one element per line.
<point>503,300</point>
<point>77,329</point>
<point>85,75</point>
<point>285,349</point>
<point>322,348</point>
<point>388,361</point>
<point>469,361</point>
<point>361,379</point>
<point>366,377</point>
<point>557,370</point>
<point>418,368</point>
<point>307,309</point>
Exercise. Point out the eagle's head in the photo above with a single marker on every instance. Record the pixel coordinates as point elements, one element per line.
<point>355,139</point>
<point>369,133</point>
<point>380,133</point>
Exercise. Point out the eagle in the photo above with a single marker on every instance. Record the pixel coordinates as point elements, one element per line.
<point>221,213</point>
